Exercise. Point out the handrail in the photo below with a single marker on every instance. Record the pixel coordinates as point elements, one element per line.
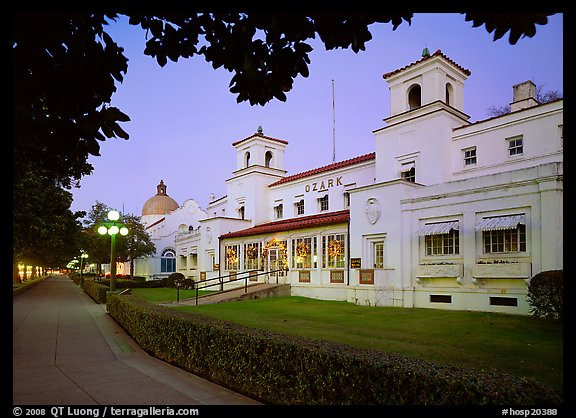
<point>221,281</point>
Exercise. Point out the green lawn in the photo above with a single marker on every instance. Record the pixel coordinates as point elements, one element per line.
<point>519,345</point>
<point>165,294</point>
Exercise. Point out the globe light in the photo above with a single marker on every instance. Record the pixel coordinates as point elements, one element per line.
<point>113,230</point>
<point>124,231</point>
<point>113,215</point>
<point>102,230</point>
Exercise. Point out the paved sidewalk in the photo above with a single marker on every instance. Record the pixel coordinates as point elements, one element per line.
<point>68,351</point>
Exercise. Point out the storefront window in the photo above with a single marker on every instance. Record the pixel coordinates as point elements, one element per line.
<point>304,253</point>
<point>334,251</point>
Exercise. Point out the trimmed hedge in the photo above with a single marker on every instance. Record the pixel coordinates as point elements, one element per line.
<point>96,291</point>
<point>284,369</point>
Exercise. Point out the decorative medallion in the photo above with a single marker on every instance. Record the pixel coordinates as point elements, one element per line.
<point>373,210</point>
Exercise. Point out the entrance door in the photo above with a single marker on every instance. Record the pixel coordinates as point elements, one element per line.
<point>275,263</point>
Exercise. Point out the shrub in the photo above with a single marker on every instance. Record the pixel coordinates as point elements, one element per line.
<point>546,294</point>
<point>173,279</point>
<point>285,369</point>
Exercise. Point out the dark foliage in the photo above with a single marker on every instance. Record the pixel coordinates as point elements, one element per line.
<point>546,294</point>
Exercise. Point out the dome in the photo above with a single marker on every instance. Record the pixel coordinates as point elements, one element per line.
<point>161,203</point>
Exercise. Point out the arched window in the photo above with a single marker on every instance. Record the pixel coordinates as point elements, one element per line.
<point>247,159</point>
<point>268,158</point>
<point>449,94</point>
<point>414,97</point>
<point>168,261</point>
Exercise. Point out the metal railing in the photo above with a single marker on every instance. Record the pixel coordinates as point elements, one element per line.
<point>220,280</point>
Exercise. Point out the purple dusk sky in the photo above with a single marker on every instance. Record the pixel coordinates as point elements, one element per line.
<point>184,119</point>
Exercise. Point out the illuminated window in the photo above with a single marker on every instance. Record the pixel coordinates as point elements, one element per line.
<point>304,253</point>
<point>232,257</point>
<point>334,251</point>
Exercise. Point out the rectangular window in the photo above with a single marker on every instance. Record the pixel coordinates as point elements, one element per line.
<point>441,298</point>
<point>210,260</point>
<point>232,257</point>
<point>502,301</point>
<point>443,244</point>
<point>304,253</point>
<point>346,199</point>
<point>334,251</point>
<point>408,172</point>
<point>323,203</point>
<point>252,256</point>
<point>469,156</point>
<point>378,254</point>
<point>299,207</point>
<point>167,265</point>
<point>505,240</point>
<point>278,211</point>
<point>515,146</point>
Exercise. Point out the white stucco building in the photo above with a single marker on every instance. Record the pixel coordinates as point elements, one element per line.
<point>165,220</point>
<point>443,214</point>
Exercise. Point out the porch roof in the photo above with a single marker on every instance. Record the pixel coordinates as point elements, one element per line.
<point>311,221</point>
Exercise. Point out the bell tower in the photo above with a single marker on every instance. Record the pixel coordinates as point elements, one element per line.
<point>258,152</point>
<point>433,78</point>
<point>259,162</point>
<point>426,104</point>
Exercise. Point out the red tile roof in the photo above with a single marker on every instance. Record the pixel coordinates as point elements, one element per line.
<point>438,53</point>
<point>261,136</point>
<point>302,222</point>
<point>335,166</point>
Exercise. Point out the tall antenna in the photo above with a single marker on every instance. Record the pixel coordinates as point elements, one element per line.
<point>333,126</point>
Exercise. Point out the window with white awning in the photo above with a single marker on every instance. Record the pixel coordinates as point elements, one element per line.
<point>438,228</point>
<point>496,223</point>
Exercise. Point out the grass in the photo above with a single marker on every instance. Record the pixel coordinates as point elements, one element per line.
<point>165,294</point>
<point>515,344</point>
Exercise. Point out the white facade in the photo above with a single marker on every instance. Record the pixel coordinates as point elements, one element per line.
<point>165,230</point>
<point>444,214</point>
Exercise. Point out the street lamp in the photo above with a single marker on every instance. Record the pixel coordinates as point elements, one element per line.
<point>112,228</point>
<point>82,256</point>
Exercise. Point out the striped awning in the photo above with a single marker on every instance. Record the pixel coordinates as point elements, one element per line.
<point>438,228</point>
<point>501,222</point>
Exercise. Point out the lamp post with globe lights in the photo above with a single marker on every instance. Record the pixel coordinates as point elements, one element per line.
<point>112,228</point>
<point>83,255</point>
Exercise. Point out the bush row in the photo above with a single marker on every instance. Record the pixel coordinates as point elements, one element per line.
<point>283,369</point>
<point>96,291</point>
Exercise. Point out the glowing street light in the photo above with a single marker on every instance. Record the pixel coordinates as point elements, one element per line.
<point>112,228</point>
<point>82,256</point>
